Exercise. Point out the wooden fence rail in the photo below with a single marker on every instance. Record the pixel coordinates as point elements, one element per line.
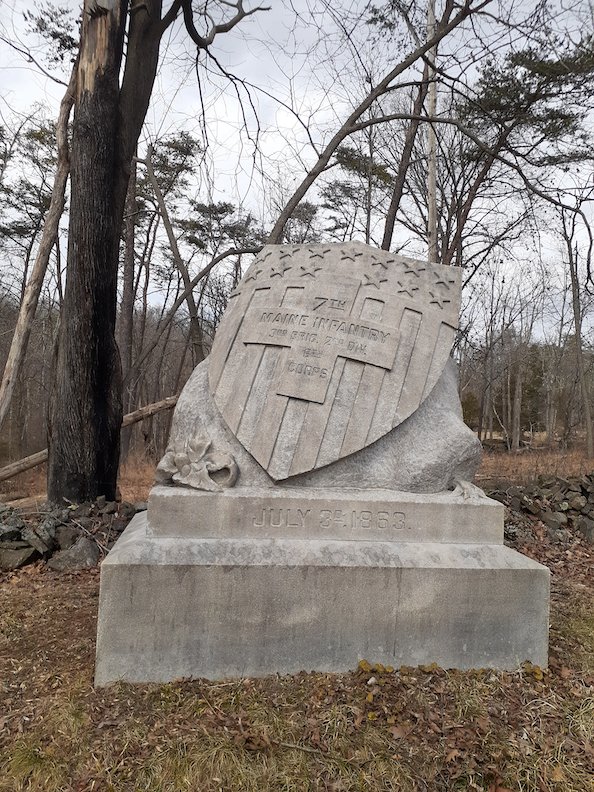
<point>131,418</point>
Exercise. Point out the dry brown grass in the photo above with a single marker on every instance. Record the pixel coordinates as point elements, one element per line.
<point>413,730</point>
<point>31,482</point>
<point>417,729</point>
<point>135,480</point>
<point>137,472</point>
<point>137,475</point>
<point>526,466</point>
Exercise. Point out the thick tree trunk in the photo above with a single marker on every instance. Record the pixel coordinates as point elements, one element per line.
<point>85,407</point>
<point>126,318</point>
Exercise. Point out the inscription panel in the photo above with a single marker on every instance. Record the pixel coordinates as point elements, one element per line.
<point>318,520</point>
<point>353,515</point>
<point>313,341</point>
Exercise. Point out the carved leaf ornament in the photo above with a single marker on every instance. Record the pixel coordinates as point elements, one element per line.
<point>194,464</point>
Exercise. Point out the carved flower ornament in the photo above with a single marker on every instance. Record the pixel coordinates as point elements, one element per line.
<point>193,463</point>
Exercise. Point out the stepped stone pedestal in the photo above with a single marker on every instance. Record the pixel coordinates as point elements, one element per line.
<point>313,507</point>
<point>245,584</point>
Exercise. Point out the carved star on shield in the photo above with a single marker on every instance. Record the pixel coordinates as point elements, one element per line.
<point>416,271</point>
<point>279,269</point>
<point>404,289</point>
<point>437,299</point>
<point>347,257</point>
<point>253,275</point>
<point>374,280</point>
<point>443,283</point>
<point>318,254</point>
<point>309,269</point>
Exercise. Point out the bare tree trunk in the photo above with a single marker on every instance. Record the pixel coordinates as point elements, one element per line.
<point>490,392</point>
<point>403,165</point>
<point>182,297</point>
<point>551,415</point>
<point>22,331</point>
<point>517,407</point>
<point>126,318</point>
<point>507,405</point>
<point>483,406</point>
<point>85,407</point>
<point>350,125</point>
<point>198,353</point>
<point>577,316</point>
<point>432,144</point>
<point>369,186</point>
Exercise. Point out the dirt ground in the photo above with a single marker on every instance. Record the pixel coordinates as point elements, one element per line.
<point>372,729</point>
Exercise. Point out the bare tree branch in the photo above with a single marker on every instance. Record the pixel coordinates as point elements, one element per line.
<point>30,59</point>
<point>203,42</point>
<point>198,353</point>
<point>350,125</point>
<point>9,471</point>
<point>170,16</point>
<point>191,286</point>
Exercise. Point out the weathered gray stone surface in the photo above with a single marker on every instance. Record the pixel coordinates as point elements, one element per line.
<point>39,538</point>
<point>586,528</point>
<point>9,533</point>
<point>351,530</point>
<point>426,453</point>
<point>309,513</point>
<point>559,502</point>
<point>323,349</point>
<point>83,554</point>
<point>66,536</point>
<point>14,558</point>
<point>192,463</point>
<point>174,608</point>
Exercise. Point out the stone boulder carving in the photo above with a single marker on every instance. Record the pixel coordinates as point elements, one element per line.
<point>429,452</point>
<point>331,368</point>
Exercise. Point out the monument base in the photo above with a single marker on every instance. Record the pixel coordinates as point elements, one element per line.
<point>190,606</point>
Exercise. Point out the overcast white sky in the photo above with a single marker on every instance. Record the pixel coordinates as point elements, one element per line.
<point>266,50</point>
<point>272,49</point>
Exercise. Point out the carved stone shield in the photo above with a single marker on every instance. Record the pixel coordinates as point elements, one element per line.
<point>323,349</point>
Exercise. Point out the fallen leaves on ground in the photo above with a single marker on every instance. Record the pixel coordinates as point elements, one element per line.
<point>376,728</point>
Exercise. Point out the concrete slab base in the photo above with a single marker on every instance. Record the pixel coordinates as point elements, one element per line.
<point>182,607</point>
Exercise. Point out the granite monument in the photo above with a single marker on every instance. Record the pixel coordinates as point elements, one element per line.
<point>314,505</point>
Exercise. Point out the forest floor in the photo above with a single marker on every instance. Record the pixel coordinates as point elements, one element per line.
<point>371,729</point>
